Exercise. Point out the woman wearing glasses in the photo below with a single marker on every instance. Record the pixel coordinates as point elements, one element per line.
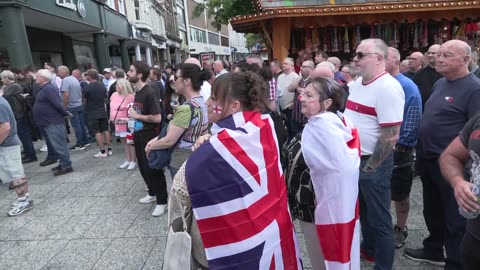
<point>331,149</point>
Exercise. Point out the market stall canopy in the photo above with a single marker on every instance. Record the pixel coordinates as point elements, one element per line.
<point>320,13</point>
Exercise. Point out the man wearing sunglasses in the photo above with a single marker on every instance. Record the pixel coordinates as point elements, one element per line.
<point>375,106</point>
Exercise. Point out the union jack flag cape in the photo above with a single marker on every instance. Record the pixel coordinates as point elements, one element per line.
<point>239,197</point>
<point>331,149</point>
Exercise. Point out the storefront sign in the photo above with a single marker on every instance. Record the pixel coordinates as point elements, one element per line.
<point>80,6</point>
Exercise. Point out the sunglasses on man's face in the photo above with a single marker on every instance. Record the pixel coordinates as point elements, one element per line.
<point>360,55</point>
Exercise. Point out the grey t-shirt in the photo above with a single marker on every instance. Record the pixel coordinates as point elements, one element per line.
<point>72,85</point>
<point>6,115</point>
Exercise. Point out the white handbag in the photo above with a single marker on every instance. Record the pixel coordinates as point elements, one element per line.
<point>178,251</point>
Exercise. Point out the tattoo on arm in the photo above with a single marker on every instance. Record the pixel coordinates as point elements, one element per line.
<point>384,147</point>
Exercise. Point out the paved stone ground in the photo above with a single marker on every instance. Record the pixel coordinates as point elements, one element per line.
<point>91,219</point>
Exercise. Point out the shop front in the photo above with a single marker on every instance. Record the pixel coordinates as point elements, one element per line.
<point>76,33</point>
<point>337,27</point>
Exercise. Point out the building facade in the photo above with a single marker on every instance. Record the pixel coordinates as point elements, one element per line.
<point>203,37</point>
<point>76,33</point>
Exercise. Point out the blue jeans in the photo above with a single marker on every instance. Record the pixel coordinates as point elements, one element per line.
<point>375,217</point>
<point>79,125</point>
<point>57,141</point>
<point>25,134</point>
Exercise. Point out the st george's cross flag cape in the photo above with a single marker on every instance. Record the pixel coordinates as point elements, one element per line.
<point>331,149</point>
<point>239,198</point>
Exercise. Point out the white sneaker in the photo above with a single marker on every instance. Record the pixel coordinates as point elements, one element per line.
<point>132,166</point>
<point>44,148</point>
<point>125,164</point>
<point>148,199</point>
<point>101,155</point>
<point>159,210</point>
<point>109,152</point>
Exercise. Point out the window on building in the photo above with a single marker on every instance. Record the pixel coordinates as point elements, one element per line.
<point>121,6</point>
<point>111,3</point>
<point>213,38</point>
<point>137,9</point>
<point>198,35</point>
<point>181,17</point>
<point>224,41</point>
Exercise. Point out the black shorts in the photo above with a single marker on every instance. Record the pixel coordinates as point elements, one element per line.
<point>402,174</point>
<point>97,125</point>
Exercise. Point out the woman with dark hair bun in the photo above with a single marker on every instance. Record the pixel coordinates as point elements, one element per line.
<point>189,119</point>
<point>331,149</point>
<point>232,186</point>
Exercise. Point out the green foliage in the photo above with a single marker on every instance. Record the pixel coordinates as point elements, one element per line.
<point>223,10</point>
<point>252,39</point>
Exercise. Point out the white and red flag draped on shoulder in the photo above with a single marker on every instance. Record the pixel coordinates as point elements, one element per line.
<point>239,197</point>
<point>331,149</point>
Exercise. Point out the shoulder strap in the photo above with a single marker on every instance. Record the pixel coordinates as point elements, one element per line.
<point>294,162</point>
<point>115,118</point>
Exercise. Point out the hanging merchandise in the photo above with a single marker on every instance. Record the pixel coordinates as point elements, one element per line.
<point>406,34</point>
<point>460,33</point>
<point>315,39</point>
<point>358,38</point>
<point>346,43</point>
<point>416,45</point>
<point>325,40</point>
<point>308,39</point>
<point>335,40</point>
<point>372,32</point>
<point>395,35</point>
<point>424,42</point>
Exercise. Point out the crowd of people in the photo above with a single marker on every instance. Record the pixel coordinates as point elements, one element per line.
<point>251,145</point>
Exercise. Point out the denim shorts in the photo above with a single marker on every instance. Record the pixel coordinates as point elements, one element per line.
<point>402,175</point>
<point>11,160</point>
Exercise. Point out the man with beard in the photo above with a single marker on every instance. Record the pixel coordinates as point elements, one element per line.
<point>147,114</point>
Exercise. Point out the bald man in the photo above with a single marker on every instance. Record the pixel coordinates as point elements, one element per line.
<point>415,62</point>
<point>338,75</point>
<point>219,68</point>
<point>404,66</point>
<point>428,76</point>
<point>322,71</point>
<point>455,99</point>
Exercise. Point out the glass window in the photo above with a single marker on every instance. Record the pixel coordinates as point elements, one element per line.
<point>121,6</point>
<point>198,35</point>
<point>181,17</point>
<point>84,54</point>
<point>137,9</point>
<point>213,38</point>
<point>224,41</point>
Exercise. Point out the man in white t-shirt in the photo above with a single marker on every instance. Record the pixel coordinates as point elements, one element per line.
<point>375,106</point>
<point>285,97</point>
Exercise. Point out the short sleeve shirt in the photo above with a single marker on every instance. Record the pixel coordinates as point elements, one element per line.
<point>147,103</point>
<point>6,115</point>
<point>95,94</point>
<point>374,105</point>
<point>470,138</point>
<point>72,85</point>
<point>448,109</point>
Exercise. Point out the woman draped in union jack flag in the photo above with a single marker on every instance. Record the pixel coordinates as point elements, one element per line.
<point>331,149</point>
<point>234,185</point>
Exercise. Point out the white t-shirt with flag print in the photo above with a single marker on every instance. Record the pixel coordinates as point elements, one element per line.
<point>376,104</point>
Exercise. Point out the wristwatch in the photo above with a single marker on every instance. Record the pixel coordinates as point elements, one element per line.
<point>369,169</point>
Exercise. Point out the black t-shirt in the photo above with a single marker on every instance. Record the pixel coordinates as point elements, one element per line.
<point>95,94</point>
<point>448,109</point>
<point>146,103</point>
<point>425,78</point>
<point>409,75</point>
<point>470,138</point>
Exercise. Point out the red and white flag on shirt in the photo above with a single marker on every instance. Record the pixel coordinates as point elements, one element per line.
<point>332,152</point>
